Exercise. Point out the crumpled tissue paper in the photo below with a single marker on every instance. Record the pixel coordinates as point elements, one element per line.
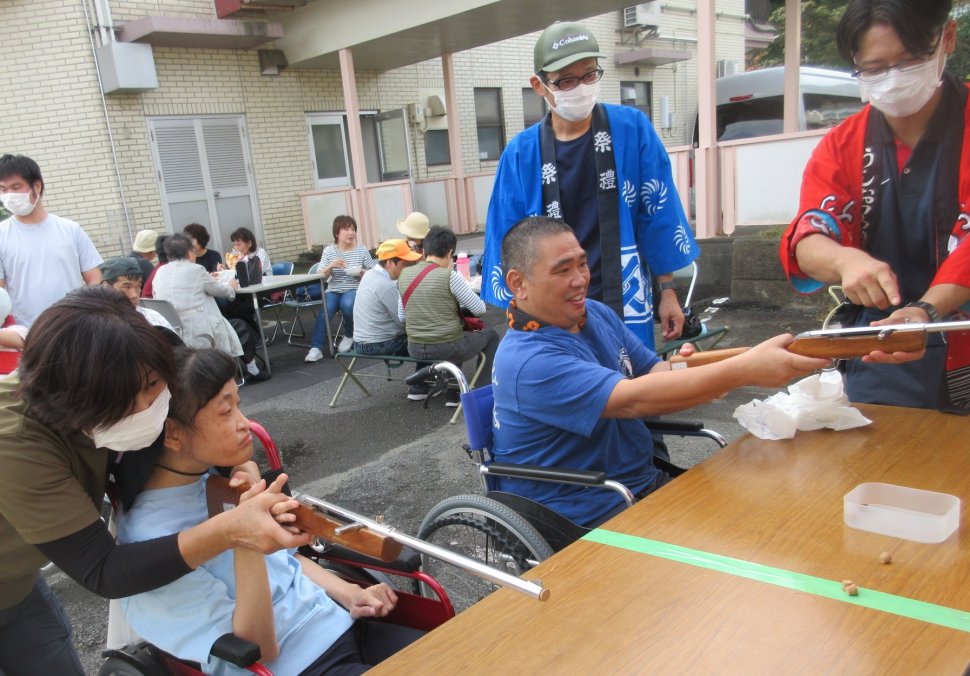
<point>810,404</point>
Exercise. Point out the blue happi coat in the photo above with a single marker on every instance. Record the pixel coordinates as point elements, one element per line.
<point>653,226</point>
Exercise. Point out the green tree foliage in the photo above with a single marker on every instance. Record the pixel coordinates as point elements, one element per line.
<point>819,20</point>
<point>959,61</point>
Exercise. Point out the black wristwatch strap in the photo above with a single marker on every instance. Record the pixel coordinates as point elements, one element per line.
<point>671,284</point>
<point>928,308</point>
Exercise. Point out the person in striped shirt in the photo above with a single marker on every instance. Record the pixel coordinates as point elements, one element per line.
<point>342,263</point>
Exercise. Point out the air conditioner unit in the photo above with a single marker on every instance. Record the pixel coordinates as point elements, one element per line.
<point>644,14</point>
<point>726,67</point>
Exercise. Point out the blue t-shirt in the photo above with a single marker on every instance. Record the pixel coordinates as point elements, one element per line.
<point>185,617</point>
<point>551,387</point>
<point>580,207</point>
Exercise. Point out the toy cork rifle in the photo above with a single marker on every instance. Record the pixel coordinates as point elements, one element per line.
<point>343,527</point>
<point>856,341</point>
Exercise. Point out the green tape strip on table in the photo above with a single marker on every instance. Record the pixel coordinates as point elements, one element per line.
<point>869,598</point>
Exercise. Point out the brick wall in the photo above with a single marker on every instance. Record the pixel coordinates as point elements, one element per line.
<point>52,109</point>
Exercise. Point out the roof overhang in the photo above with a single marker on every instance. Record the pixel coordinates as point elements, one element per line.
<point>650,56</point>
<point>758,36</point>
<point>167,31</point>
<point>387,35</point>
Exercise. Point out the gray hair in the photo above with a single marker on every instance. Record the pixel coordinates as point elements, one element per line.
<point>177,247</point>
<point>520,249</point>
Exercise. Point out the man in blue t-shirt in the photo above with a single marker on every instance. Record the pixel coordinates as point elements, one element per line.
<point>571,381</point>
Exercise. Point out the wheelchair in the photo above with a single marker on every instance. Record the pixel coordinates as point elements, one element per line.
<point>503,530</point>
<point>423,611</point>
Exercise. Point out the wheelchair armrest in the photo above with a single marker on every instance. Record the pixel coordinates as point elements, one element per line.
<point>584,477</point>
<point>684,428</point>
<point>235,650</point>
<point>673,426</point>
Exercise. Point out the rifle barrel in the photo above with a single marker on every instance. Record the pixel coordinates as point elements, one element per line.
<point>929,327</point>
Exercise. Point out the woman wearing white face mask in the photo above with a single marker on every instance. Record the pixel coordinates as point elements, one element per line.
<point>93,384</point>
<point>885,202</point>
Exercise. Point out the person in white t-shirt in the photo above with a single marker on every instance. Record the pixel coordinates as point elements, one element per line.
<point>42,256</point>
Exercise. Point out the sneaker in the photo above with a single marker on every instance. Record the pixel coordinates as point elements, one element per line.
<point>418,392</point>
<point>346,344</point>
<point>257,377</point>
<point>314,355</point>
<point>454,399</point>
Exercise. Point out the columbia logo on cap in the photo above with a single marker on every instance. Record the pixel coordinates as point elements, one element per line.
<point>566,41</point>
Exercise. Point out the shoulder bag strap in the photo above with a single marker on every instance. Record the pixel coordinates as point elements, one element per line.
<point>414,283</point>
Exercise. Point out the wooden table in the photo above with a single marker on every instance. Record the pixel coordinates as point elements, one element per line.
<point>776,503</point>
<point>268,285</point>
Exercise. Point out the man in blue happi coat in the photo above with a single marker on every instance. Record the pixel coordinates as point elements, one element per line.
<point>602,169</point>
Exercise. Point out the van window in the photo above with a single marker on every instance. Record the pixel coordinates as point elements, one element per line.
<point>751,117</point>
<point>827,110</point>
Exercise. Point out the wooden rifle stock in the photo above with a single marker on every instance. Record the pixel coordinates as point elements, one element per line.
<point>844,347</point>
<point>220,496</point>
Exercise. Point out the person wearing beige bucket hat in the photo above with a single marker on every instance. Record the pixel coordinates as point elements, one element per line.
<point>143,251</point>
<point>603,170</point>
<point>415,227</point>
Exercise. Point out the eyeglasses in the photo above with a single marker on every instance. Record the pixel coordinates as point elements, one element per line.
<point>880,72</point>
<point>564,84</point>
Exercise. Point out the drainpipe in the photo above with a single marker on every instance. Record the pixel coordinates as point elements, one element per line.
<point>106,29</point>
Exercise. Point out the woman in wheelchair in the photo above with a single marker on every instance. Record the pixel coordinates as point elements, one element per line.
<point>304,619</point>
<point>91,395</point>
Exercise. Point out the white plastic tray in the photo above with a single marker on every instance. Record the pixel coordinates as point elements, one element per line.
<point>901,512</point>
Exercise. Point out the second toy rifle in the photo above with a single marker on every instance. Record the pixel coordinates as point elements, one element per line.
<point>856,341</point>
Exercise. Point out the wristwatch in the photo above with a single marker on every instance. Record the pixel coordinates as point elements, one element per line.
<point>671,284</point>
<point>928,308</point>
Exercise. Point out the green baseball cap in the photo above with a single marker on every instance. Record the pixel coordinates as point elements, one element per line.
<point>564,43</point>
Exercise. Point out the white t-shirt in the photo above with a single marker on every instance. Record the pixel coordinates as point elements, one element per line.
<point>42,263</point>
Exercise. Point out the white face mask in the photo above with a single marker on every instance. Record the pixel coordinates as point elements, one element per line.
<point>576,104</point>
<point>900,93</point>
<point>18,203</point>
<point>138,430</point>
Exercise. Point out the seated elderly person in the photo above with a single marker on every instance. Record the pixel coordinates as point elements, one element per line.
<point>124,274</point>
<point>304,619</point>
<point>433,294</point>
<point>571,381</point>
<point>192,291</point>
<point>143,251</point>
<point>146,284</point>
<point>379,316</point>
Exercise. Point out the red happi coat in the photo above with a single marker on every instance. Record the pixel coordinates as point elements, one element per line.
<point>832,183</point>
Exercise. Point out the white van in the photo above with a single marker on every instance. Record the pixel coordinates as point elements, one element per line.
<point>752,104</point>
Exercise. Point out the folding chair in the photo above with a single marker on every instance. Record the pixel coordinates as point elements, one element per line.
<point>282,268</point>
<point>166,309</point>
<point>298,305</point>
<point>710,336</point>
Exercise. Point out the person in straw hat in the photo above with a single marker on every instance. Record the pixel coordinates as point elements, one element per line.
<point>143,251</point>
<point>415,227</point>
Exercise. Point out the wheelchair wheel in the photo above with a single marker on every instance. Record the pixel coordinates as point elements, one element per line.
<point>481,529</point>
